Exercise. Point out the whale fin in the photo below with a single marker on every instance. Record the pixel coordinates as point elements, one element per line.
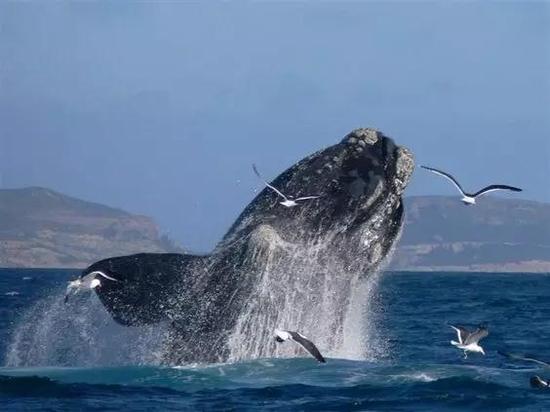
<point>144,291</point>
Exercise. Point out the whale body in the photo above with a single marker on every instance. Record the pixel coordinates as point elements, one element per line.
<point>304,267</point>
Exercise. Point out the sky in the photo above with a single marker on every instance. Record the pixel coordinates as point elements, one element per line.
<point>161,108</point>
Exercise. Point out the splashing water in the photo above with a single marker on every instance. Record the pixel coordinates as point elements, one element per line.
<point>310,288</point>
<point>80,333</point>
<point>335,311</point>
<point>300,289</point>
<point>337,316</point>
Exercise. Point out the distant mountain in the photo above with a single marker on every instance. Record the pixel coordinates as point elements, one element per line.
<point>43,228</point>
<point>497,234</point>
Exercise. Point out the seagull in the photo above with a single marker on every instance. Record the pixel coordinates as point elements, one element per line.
<point>284,335</point>
<point>90,281</point>
<point>468,341</point>
<point>470,198</point>
<point>288,201</point>
<point>526,358</point>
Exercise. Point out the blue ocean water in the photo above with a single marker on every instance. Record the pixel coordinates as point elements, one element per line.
<point>417,370</point>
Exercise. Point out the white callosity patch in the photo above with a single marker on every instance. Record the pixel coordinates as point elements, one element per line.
<point>404,168</point>
<point>366,135</point>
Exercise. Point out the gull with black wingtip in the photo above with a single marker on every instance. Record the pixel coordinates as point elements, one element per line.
<point>284,335</point>
<point>88,282</point>
<point>470,198</point>
<point>288,201</point>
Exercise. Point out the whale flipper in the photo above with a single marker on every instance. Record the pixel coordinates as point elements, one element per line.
<point>146,285</point>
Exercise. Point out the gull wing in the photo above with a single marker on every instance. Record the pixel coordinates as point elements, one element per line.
<point>461,332</point>
<point>281,335</point>
<point>308,345</point>
<point>100,273</point>
<point>477,335</point>
<point>494,188</point>
<point>306,198</point>
<point>526,358</point>
<point>267,184</point>
<point>446,176</point>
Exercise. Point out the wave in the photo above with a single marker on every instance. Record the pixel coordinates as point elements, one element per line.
<point>463,392</point>
<point>338,373</point>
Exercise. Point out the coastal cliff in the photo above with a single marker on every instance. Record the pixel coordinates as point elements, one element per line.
<point>43,228</point>
<point>496,235</point>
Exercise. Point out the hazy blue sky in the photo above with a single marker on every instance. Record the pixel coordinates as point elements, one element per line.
<point>160,109</point>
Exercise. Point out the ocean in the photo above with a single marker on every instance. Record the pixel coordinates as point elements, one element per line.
<point>73,357</point>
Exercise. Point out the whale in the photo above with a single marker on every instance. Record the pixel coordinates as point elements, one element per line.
<point>311,267</point>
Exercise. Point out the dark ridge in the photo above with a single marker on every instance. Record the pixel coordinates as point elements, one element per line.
<point>496,234</point>
<point>40,227</point>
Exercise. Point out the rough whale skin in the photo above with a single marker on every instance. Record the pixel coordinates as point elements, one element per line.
<point>302,267</point>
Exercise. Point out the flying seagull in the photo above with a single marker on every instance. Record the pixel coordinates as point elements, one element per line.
<point>288,201</point>
<point>88,282</point>
<point>468,341</point>
<point>470,198</point>
<point>284,335</point>
<point>526,358</point>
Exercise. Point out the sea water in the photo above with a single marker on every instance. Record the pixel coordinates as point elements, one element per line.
<point>73,357</point>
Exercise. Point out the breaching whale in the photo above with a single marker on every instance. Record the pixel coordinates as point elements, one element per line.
<point>302,267</point>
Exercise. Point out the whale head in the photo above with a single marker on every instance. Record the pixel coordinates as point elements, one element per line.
<point>359,182</point>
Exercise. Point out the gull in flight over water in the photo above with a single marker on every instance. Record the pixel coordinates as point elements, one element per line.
<point>88,282</point>
<point>470,198</point>
<point>468,341</point>
<point>288,201</point>
<point>284,335</point>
